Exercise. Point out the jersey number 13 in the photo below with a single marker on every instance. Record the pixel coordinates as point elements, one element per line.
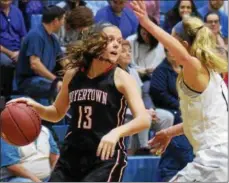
<point>87,112</point>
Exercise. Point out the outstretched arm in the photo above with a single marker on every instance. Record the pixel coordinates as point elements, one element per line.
<point>175,130</point>
<point>162,138</point>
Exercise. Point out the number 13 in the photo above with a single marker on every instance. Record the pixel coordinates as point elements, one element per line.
<point>87,112</point>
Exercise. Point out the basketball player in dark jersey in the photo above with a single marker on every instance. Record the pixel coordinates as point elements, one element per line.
<point>98,93</point>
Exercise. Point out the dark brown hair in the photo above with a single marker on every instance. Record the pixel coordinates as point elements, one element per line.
<point>153,42</point>
<point>93,43</point>
<point>172,17</point>
<point>79,17</point>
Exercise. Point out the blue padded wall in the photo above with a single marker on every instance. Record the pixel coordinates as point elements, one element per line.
<point>142,169</point>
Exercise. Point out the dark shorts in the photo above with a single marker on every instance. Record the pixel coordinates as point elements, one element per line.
<point>82,166</point>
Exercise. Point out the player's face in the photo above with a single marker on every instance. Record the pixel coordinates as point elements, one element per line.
<point>213,23</point>
<point>125,55</point>
<point>185,8</point>
<point>114,46</point>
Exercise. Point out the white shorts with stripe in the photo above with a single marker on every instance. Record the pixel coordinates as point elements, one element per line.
<point>209,165</point>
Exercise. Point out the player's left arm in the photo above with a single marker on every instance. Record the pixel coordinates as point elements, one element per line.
<point>128,87</point>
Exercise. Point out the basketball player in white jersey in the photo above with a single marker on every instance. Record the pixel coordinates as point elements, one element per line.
<point>203,97</point>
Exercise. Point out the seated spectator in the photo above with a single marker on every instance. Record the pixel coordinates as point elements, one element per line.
<point>30,163</point>
<point>69,5</point>
<point>117,14</point>
<point>164,93</point>
<point>212,20</point>
<point>65,36</point>
<point>215,6</point>
<point>175,15</point>
<point>152,7</point>
<point>29,8</point>
<point>38,56</point>
<point>160,118</point>
<point>39,52</point>
<point>76,21</point>
<point>13,30</point>
<point>146,52</point>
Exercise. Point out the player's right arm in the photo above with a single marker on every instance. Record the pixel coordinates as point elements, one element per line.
<point>162,138</point>
<point>55,112</point>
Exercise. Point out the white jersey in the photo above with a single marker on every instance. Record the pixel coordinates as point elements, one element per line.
<point>205,115</point>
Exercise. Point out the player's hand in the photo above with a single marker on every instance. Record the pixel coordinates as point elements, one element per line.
<point>159,142</point>
<point>107,145</point>
<point>28,101</point>
<point>139,9</point>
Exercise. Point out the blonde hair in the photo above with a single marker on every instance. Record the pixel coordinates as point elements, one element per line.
<point>203,44</point>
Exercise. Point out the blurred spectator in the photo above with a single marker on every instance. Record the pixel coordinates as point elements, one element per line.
<point>175,15</point>
<point>164,94</point>
<point>69,5</point>
<point>30,163</point>
<point>215,6</point>
<point>13,30</point>
<point>212,20</point>
<point>146,52</point>
<point>38,55</point>
<point>96,5</point>
<point>160,118</point>
<point>50,2</point>
<point>76,21</point>
<point>29,8</point>
<point>117,14</point>
<point>15,2</point>
<point>163,86</point>
<point>152,7</point>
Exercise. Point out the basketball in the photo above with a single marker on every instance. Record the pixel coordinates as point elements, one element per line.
<point>20,124</point>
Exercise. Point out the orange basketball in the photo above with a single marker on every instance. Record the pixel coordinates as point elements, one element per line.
<point>20,124</point>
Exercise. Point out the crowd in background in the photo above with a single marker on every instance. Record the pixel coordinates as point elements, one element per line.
<point>32,61</point>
